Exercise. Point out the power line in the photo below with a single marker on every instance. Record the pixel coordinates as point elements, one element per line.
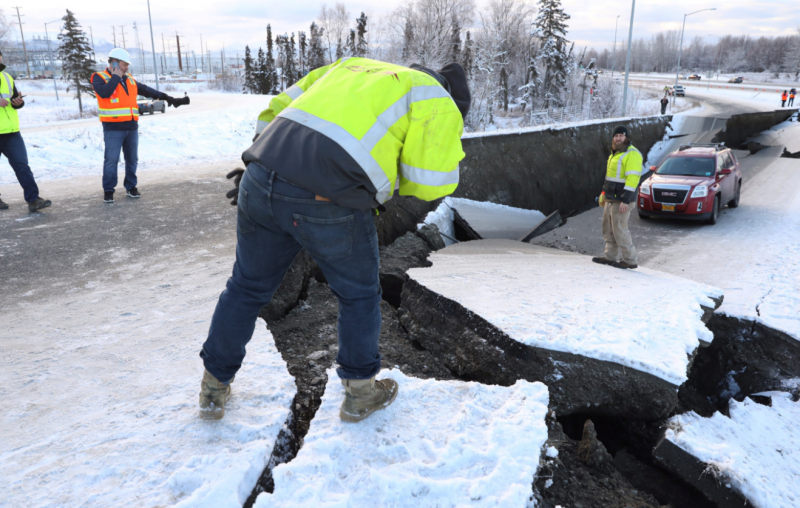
<point>122,31</point>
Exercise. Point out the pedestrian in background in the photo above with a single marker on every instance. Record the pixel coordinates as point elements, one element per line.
<point>328,153</point>
<point>792,93</point>
<point>784,96</point>
<point>623,170</point>
<point>11,143</point>
<point>118,109</point>
<point>664,103</point>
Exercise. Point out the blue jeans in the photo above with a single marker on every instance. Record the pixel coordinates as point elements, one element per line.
<point>275,220</point>
<point>13,147</point>
<point>128,142</point>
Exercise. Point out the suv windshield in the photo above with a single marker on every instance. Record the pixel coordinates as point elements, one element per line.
<point>688,166</point>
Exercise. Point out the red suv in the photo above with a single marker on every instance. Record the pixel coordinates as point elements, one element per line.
<point>693,182</point>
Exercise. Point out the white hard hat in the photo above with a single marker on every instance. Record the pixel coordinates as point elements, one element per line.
<point>120,54</point>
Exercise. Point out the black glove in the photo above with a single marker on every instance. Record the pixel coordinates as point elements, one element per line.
<point>236,174</point>
<point>180,102</point>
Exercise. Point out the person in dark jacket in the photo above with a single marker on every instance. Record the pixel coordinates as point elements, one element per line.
<point>792,93</point>
<point>118,110</point>
<point>664,103</point>
<point>11,143</point>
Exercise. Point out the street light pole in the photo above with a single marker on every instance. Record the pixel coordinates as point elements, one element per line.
<point>628,62</point>
<point>680,47</point>
<point>152,44</point>
<point>614,53</point>
<point>47,35</point>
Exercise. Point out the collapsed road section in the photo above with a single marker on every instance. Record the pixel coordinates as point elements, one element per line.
<point>497,311</point>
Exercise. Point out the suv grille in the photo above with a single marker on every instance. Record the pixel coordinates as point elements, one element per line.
<point>670,196</point>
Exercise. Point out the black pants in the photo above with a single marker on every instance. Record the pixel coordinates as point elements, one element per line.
<point>663,108</point>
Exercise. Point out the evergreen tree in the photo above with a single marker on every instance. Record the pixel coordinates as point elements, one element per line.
<point>550,29</point>
<point>351,43</point>
<point>791,58</point>
<point>260,78</point>
<point>270,73</point>
<point>468,56</point>
<point>280,43</point>
<point>361,32</point>
<point>532,82</point>
<point>289,68</point>
<point>250,85</point>
<point>339,49</point>
<point>455,41</point>
<point>316,51</point>
<point>75,54</point>
<point>408,41</point>
<point>302,43</point>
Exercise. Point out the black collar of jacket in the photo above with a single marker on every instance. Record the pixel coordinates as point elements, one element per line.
<point>438,77</point>
<point>2,67</point>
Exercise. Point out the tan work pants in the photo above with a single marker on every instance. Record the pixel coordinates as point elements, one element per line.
<point>616,233</point>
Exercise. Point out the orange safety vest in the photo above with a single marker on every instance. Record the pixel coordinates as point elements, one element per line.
<point>121,106</point>
<point>783,97</point>
<point>791,95</point>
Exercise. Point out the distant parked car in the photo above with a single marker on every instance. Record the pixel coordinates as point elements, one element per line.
<point>150,106</point>
<point>693,182</point>
<point>738,79</point>
<point>694,77</point>
<point>679,91</point>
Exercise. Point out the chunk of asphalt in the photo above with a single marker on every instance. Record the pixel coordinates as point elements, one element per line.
<point>494,311</point>
<point>432,236</point>
<point>408,251</point>
<point>549,223</point>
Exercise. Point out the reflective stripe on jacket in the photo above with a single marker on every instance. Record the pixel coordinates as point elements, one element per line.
<point>622,175</point>
<point>9,119</point>
<point>122,105</point>
<point>351,131</point>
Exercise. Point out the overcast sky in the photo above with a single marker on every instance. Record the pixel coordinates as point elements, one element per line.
<point>239,22</point>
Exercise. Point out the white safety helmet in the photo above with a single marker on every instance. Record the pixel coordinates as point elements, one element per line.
<point>120,54</point>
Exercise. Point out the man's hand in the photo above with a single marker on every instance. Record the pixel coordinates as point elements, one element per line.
<point>118,72</point>
<point>236,174</point>
<point>17,102</point>
<point>3,103</point>
<point>623,207</point>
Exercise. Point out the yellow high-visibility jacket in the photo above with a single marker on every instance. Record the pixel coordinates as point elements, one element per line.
<point>9,119</point>
<point>353,130</point>
<point>623,171</point>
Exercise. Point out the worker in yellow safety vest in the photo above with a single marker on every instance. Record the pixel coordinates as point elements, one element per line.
<point>11,143</point>
<point>623,171</point>
<point>329,151</point>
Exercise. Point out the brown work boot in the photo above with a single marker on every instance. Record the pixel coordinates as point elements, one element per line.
<point>365,396</point>
<point>213,396</point>
<point>603,261</point>
<point>38,204</point>
<point>623,264</point>
<point>3,206</point>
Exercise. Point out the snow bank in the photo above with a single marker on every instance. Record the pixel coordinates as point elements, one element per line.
<point>483,215</point>
<point>100,386</point>
<point>642,319</point>
<point>753,452</point>
<point>441,443</point>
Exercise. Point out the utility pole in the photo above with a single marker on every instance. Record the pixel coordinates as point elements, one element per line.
<point>163,51</point>
<point>91,36</point>
<point>114,34</point>
<point>152,44</point>
<point>180,61</point>
<point>47,34</point>
<point>202,60</point>
<point>122,31</point>
<point>24,49</point>
<point>614,54</point>
<point>628,62</point>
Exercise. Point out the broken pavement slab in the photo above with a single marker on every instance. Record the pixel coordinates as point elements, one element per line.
<point>749,459</point>
<point>605,340</point>
<point>491,220</point>
<point>441,443</point>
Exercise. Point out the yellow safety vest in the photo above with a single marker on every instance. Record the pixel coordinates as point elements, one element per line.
<point>9,119</point>
<point>400,125</point>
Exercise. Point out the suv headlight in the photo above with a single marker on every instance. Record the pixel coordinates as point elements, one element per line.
<point>645,188</point>
<point>700,191</point>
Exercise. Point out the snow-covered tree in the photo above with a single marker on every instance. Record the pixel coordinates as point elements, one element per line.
<point>361,32</point>
<point>791,57</point>
<point>270,81</point>
<point>302,53</point>
<point>550,27</point>
<point>250,84</point>
<point>351,43</point>
<point>316,51</point>
<point>408,41</point>
<point>468,55</point>
<point>455,41</point>
<point>334,23</point>
<point>75,54</point>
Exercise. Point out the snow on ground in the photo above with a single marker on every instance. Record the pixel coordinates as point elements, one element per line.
<point>754,452</point>
<point>440,444</point>
<point>642,319</point>
<point>215,126</point>
<point>490,220</point>
<point>100,386</point>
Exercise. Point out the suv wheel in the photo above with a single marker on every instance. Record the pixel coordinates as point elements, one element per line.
<point>733,203</point>
<point>163,108</point>
<point>714,212</point>
<point>152,111</point>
